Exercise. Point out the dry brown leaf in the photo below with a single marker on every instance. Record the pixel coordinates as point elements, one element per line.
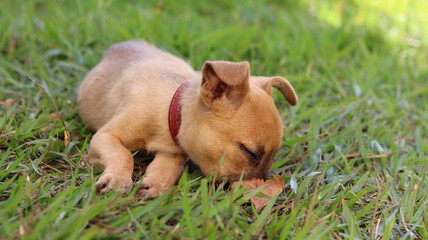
<point>272,187</point>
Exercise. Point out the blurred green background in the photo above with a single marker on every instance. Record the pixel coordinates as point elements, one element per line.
<point>355,148</point>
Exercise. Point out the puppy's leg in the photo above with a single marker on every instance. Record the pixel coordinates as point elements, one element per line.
<point>108,153</point>
<point>161,174</point>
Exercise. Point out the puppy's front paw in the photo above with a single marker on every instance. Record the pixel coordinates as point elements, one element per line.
<point>111,181</point>
<point>151,189</point>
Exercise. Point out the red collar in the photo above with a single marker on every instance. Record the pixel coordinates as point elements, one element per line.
<point>174,114</point>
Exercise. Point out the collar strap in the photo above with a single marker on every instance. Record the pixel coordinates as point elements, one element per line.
<point>174,114</point>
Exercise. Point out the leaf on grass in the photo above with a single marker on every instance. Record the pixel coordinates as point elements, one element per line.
<point>271,187</point>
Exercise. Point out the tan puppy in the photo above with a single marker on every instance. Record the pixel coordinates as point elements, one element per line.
<point>225,114</point>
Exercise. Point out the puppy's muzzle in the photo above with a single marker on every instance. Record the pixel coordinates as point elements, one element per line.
<point>264,175</point>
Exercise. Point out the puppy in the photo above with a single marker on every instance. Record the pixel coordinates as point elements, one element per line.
<point>140,97</point>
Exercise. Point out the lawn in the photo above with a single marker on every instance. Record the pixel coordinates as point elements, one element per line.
<point>355,148</point>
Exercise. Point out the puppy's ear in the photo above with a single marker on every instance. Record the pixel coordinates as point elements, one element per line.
<point>266,83</point>
<point>224,82</point>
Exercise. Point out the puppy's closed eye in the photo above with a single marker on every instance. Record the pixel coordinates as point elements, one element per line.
<point>249,153</point>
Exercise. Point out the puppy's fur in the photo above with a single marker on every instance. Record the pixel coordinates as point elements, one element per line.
<point>226,114</point>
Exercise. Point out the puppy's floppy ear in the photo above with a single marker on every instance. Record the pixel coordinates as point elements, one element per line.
<point>224,81</point>
<point>282,84</point>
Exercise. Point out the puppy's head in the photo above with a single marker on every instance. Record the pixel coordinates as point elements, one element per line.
<point>236,128</point>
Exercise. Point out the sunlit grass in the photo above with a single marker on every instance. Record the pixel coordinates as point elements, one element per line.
<point>355,148</point>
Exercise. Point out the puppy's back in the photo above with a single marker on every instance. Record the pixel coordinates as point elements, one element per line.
<point>127,68</point>
<point>132,50</point>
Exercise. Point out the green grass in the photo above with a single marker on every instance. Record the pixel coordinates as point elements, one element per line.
<point>355,151</point>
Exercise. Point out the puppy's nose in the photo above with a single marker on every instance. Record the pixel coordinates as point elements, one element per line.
<point>261,174</point>
<point>265,175</point>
